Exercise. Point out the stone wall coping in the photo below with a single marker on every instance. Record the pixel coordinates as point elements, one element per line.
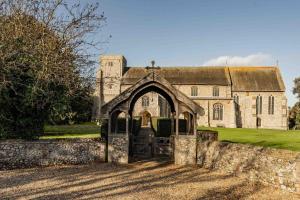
<point>59,140</point>
<point>186,136</point>
<point>118,135</point>
<point>278,153</point>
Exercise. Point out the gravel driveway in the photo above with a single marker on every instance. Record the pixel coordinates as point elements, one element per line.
<point>141,180</point>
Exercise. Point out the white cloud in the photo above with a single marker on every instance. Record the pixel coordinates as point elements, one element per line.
<point>253,59</point>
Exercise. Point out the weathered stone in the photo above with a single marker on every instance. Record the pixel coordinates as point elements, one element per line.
<point>279,168</point>
<point>185,150</point>
<point>21,153</point>
<point>118,148</point>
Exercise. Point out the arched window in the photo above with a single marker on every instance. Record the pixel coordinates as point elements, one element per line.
<point>145,101</point>
<point>236,99</point>
<point>215,91</point>
<point>258,122</point>
<point>194,91</point>
<point>259,104</point>
<point>271,105</point>
<point>217,111</point>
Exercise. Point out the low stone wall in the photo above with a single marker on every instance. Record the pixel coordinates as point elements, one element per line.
<point>280,168</point>
<point>185,149</point>
<point>207,135</point>
<point>162,146</point>
<point>22,154</point>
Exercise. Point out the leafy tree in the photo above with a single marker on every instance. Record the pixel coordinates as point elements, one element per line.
<point>296,89</point>
<point>294,115</point>
<point>44,62</point>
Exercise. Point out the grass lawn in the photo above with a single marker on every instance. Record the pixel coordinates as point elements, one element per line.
<point>261,137</point>
<point>87,130</point>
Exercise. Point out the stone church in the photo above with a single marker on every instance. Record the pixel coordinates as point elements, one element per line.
<point>233,97</point>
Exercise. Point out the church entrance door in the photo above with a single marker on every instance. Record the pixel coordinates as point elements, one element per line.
<point>146,117</point>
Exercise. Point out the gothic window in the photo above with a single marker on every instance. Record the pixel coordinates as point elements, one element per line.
<point>259,104</point>
<point>258,122</point>
<point>145,101</point>
<point>236,99</point>
<point>215,91</point>
<point>194,91</point>
<point>217,111</point>
<point>110,64</point>
<point>271,105</point>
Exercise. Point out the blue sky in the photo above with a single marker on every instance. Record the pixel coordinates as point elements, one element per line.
<point>181,33</point>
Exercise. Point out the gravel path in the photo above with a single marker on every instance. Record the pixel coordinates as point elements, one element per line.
<point>141,180</point>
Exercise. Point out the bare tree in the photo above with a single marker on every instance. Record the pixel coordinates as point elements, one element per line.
<point>45,59</point>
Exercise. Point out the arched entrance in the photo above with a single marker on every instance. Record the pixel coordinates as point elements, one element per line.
<point>146,118</point>
<point>120,147</point>
<point>153,139</point>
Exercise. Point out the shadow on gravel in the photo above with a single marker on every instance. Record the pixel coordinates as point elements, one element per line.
<point>104,180</point>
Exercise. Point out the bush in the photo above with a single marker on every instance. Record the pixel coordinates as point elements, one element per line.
<point>136,125</point>
<point>164,128</point>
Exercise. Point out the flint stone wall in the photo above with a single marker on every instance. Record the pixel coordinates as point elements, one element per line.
<point>23,154</point>
<point>280,168</point>
<point>185,149</point>
<point>118,148</point>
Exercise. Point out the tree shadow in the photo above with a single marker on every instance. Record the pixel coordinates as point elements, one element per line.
<point>103,180</point>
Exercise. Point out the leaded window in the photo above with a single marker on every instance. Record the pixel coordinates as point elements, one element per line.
<point>217,111</point>
<point>236,99</point>
<point>271,105</point>
<point>215,91</point>
<point>145,101</point>
<point>259,104</point>
<point>194,91</point>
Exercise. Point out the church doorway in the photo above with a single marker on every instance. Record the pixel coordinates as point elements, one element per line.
<point>146,119</point>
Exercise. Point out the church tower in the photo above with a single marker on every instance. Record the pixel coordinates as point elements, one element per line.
<point>108,80</point>
<point>112,69</point>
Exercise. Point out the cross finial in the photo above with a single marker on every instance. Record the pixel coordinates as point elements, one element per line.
<point>152,63</point>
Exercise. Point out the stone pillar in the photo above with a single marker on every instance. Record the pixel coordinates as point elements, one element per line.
<point>127,124</point>
<point>185,150</point>
<point>118,148</point>
<point>195,123</point>
<point>189,123</point>
<point>109,125</point>
<point>177,119</point>
<point>118,145</point>
<point>172,123</point>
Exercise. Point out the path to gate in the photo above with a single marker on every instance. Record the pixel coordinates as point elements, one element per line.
<point>140,180</point>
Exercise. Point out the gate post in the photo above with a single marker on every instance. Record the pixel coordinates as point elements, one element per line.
<point>185,149</point>
<point>118,144</point>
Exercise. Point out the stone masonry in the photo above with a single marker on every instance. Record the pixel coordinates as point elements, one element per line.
<point>22,154</point>
<point>279,168</point>
<point>185,150</point>
<point>238,88</point>
<point>118,148</point>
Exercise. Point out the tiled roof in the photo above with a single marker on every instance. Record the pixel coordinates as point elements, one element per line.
<point>256,79</point>
<point>241,78</point>
<point>182,75</point>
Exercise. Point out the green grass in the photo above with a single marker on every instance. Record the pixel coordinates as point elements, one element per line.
<point>261,137</point>
<point>86,130</point>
